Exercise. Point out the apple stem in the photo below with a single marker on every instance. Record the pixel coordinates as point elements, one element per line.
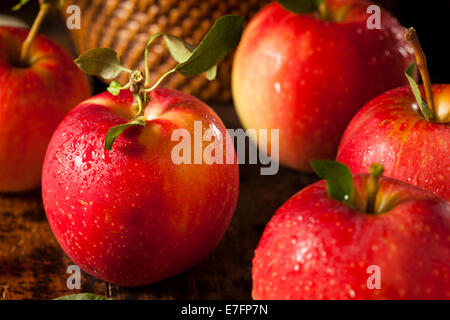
<point>147,65</point>
<point>323,10</point>
<point>44,9</point>
<point>376,171</point>
<point>421,59</point>
<point>165,75</point>
<point>137,86</point>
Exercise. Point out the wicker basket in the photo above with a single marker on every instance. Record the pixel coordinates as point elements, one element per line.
<point>126,25</point>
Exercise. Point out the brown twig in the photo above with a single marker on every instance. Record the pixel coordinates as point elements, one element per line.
<point>421,59</point>
<point>45,8</point>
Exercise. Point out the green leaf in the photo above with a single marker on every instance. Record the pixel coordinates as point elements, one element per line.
<point>223,36</point>
<point>114,88</point>
<point>178,48</point>
<point>101,62</point>
<point>339,179</point>
<point>82,296</point>
<point>301,6</point>
<point>181,51</point>
<point>116,131</point>
<point>411,70</point>
<point>20,5</point>
<point>423,106</point>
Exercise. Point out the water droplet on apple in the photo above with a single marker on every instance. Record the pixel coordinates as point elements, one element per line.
<point>277,87</point>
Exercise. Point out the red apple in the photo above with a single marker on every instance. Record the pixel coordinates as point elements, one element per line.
<point>131,216</point>
<point>316,247</point>
<point>391,131</point>
<point>308,77</point>
<point>411,140</point>
<point>35,96</point>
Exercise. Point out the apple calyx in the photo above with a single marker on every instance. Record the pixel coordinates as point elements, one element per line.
<point>340,186</point>
<point>307,6</point>
<point>45,6</point>
<point>223,36</point>
<point>427,107</point>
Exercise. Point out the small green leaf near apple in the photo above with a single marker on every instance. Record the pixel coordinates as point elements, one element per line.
<point>82,296</point>
<point>339,179</point>
<point>223,36</point>
<point>102,62</point>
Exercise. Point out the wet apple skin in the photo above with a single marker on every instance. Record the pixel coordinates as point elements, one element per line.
<point>131,216</point>
<point>308,77</point>
<point>389,130</point>
<point>316,247</point>
<point>33,101</point>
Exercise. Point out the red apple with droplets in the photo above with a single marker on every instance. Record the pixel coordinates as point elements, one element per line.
<point>40,85</point>
<point>410,137</point>
<point>119,203</point>
<point>308,74</point>
<point>366,237</point>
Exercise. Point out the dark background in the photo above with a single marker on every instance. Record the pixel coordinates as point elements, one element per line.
<point>432,22</point>
<point>431,19</point>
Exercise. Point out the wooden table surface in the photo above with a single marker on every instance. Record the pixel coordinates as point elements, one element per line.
<point>33,266</point>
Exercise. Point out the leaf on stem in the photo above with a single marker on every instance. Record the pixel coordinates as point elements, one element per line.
<point>181,51</point>
<point>101,62</point>
<point>114,88</point>
<point>423,106</point>
<point>339,179</point>
<point>116,131</point>
<point>223,36</point>
<point>178,48</point>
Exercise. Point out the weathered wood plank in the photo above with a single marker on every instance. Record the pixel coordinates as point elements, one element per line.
<point>32,265</point>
